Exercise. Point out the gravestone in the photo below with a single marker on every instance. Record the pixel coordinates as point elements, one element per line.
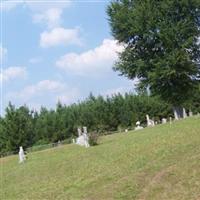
<point>150,122</point>
<point>83,139</point>
<point>126,130</point>
<point>85,129</point>
<point>138,127</point>
<point>164,120</point>
<point>179,112</point>
<point>184,113</point>
<point>22,156</point>
<point>79,132</point>
<point>59,142</point>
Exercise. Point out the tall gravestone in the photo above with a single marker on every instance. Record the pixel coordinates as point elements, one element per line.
<point>184,113</point>
<point>150,122</point>
<point>179,112</point>
<point>22,156</point>
<point>83,139</point>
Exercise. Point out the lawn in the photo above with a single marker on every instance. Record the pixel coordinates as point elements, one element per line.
<point>160,163</point>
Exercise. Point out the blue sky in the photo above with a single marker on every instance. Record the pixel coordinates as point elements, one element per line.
<point>57,50</point>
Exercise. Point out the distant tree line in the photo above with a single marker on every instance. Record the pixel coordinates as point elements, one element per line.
<point>24,127</point>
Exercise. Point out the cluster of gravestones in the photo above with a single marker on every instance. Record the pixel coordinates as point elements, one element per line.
<point>177,116</point>
<point>83,139</point>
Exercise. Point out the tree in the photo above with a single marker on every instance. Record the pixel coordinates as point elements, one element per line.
<point>17,128</point>
<point>161,45</point>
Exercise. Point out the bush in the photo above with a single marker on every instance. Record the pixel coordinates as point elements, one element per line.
<point>93,138</point>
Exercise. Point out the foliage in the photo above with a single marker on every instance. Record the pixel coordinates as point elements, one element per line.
<point>161,45</point>
<point>23,127</point>
<point>93,138</point>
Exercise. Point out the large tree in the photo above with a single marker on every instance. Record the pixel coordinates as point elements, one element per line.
<point>161,45</point>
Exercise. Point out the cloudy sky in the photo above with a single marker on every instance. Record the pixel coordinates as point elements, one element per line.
<point>57,50</point>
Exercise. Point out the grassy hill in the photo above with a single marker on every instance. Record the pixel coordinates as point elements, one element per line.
<point>159,163</point>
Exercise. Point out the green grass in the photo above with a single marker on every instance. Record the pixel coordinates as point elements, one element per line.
<point>159,163</point>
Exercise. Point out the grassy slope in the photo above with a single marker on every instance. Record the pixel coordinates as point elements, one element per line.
<point>154,163</point>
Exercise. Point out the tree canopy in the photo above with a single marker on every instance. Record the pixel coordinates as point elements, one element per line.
<point>161,45</point>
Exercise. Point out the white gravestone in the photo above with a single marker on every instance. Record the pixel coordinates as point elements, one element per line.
<point>138,127</point>
<point>126,130</point>
<point>184,113</point>
<point>79,132</point>
<point>150,122</point>
<point>85,129</point>
<point>164,120</point>
<point>22,156</point>
<point>83,139</point>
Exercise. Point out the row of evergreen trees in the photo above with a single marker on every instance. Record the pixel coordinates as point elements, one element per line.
<point>24,127</point>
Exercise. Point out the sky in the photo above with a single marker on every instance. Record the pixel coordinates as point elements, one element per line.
<point>57,51</point>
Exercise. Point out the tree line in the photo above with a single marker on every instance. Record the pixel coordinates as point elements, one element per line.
<point>24,127</point>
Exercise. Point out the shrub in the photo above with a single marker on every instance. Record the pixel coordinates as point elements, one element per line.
<point>93,138</point>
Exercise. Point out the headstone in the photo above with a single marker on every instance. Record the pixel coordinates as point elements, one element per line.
<point>22,156</point>
<point>59,142</point>
<point>150,122</point>
<point>126,130</point>
<point>86,140</point>
<point>85,129</point>
<point>73,141</point>
<point>184,113</point>
<point>138,127</point>
<point>79,132</point>
<point>83,138</point>
<point>164,120</point>
<point>178,112</point>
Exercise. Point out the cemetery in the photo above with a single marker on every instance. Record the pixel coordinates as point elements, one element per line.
<point>95,114</point>
<point>165,150</point>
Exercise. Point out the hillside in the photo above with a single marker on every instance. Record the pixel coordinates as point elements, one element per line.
<point>155,163</point>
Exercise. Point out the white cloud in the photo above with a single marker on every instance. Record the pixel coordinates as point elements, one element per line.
<point>60,36</point>
<point>40,88</point>
<point>12,73</point>
<point>95,61</point>
<point>3,52</point>
<point>44,92</point>
<point>48,13</point>
<point>50,17</point>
